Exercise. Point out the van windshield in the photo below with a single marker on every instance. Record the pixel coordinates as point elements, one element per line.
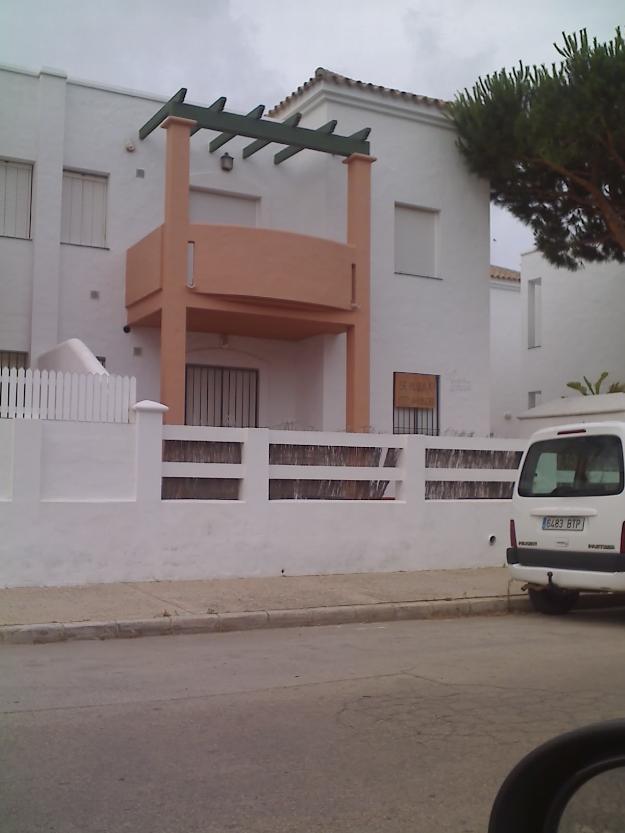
<point>573,467</point>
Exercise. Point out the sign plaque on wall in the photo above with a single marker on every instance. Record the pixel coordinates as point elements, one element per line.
<point>415,390</point>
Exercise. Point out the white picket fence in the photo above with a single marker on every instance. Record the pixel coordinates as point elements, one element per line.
<point>43,394</point>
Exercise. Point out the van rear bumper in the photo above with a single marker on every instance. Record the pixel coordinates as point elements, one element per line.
<point>592,562</point>
<point>571,570</point>
<point>569,579</point>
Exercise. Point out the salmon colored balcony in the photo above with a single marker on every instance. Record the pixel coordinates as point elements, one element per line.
<point>256,282</point>
<point>250,264</point>
<point>272,266</point>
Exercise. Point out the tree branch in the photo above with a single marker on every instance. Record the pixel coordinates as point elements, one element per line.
<point>611,217</point>
<point>614,152</point>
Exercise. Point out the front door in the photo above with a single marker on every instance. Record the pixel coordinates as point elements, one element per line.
<point>222,396</point>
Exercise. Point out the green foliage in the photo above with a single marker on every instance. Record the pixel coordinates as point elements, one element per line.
<point>586,388</point>
<point>552,143</point>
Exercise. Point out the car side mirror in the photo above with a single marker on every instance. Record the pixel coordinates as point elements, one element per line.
<point>573,782</point>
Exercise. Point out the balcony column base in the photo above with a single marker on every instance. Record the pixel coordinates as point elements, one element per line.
<point>357,381</point>
<point>173,362</point>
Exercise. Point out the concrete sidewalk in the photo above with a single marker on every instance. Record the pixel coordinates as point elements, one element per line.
<point>102,611</point>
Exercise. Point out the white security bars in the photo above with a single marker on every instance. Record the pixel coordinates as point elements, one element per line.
<point>52,395</point>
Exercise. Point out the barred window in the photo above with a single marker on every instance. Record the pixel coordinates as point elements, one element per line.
<point>13,358</point>
<point>415,403</point>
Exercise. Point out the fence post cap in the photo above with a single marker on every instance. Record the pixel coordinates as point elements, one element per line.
<point>150,407</point>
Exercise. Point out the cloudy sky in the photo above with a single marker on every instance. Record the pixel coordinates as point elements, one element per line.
<point>259,50</point>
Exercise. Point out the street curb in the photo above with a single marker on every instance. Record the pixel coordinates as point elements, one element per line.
<point>261,619</point>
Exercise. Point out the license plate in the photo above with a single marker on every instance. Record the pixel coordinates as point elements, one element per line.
<point>564,524</point>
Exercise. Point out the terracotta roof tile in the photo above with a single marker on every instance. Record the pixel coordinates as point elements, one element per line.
<point>322,74</point>
<point>502,274</point>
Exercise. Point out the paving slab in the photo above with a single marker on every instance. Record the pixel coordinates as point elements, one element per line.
<point>90,602</point>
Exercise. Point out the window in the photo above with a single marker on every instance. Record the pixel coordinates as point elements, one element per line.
<point>534,313</point>
<point>573,467</point>
<point>415,404</point>
<point>533,398</point>
<point>415,241</point>
<point>83,217</point>
<point>221,209</point>
<point>13,358</point>
<point>16,180</point>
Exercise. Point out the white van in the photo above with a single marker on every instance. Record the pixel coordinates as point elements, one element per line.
<point>567,533</point>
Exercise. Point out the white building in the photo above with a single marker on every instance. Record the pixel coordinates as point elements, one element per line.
<point>572,326</point>
<point>551,326</point>
<point>506,352</point>
<point>79,189</point>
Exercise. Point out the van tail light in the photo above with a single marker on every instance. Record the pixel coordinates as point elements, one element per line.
<point>622,550</point>
<point>513,536</point>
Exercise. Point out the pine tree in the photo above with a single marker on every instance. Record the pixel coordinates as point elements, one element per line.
<point>552,144</point>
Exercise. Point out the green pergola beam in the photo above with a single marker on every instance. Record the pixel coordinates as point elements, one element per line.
<point>221,140</point>
<point>259,144</point>
<point>216,105</point>
<point>291,150</point>
<point>253,126</point>
<point>159,118</point>
<point>361,135</point>
<point>224,122</point>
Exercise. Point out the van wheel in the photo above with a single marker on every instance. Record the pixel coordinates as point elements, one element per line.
<point>554,601</point>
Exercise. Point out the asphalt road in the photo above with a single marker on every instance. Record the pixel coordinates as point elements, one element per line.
<point>368,729</point>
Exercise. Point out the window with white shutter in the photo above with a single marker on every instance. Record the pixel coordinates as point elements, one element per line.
<point>534,312</point>
<point>15,198</point>
<point>222,209</point>
<point>83,217</point>
<point>416,241</point>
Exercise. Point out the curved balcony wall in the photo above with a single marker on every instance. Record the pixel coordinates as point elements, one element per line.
<point>272,266</point>
<point>144,267</point>
<point>249,264</point>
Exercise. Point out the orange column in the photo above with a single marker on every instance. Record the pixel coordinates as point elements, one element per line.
<point>175,236</point>
<point>358,335</point>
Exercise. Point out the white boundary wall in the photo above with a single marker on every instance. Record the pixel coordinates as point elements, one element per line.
<point>80,503</point>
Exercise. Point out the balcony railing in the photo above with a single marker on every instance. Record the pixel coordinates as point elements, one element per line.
<point>251,264</point>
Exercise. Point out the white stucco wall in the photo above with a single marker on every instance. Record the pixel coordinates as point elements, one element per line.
<point>6,458</point>
<point>80,503</point>
<point>83,543</point>
<point>418,324</point>
<point>508,397</point>
<point>15,294</point>
<point>582,326</point>
<point>87,461</point>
